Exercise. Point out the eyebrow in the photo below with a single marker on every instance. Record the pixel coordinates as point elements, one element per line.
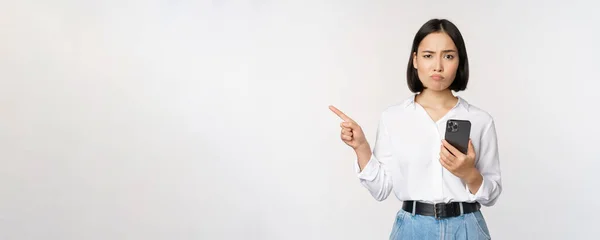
<point>444,51</point>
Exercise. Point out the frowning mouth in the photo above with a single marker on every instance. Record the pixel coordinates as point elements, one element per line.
<point>437,77</point>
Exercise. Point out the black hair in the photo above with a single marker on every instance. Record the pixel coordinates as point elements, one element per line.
<point>462,73</point>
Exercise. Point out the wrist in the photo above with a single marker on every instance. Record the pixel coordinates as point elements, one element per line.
<point>363,154</point>
<point>363,148</point>
<point>473,177</point>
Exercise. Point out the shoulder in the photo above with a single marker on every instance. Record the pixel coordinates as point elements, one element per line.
<point>397,108</point>
<point>478,114</point>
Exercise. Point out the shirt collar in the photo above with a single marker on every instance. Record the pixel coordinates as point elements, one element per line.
<point>410,102</point>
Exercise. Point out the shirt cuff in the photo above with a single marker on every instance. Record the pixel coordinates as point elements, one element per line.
<point>370,171</point>
<point>484,188</point>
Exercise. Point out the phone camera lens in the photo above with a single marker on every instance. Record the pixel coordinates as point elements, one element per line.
<point>452,126</point>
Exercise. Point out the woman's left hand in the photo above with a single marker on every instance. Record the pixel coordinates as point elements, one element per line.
<point>459,164</point>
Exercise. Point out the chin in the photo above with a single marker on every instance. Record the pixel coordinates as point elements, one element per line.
<point>437,87</point>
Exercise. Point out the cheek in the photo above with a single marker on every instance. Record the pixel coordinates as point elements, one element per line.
<point>451,68</point>
<point>423,67</point>
<point>423,73</point>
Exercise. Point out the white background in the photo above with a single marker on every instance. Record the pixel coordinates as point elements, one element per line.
<point>209,120</point>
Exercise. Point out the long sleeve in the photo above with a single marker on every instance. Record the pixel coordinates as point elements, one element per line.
<point>488,164</point>
<point>375,177</point>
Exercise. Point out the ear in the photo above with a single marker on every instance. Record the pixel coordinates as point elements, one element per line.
<point>415,60</point>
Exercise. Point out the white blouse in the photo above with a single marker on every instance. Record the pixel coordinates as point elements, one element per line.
<point>406,156</point>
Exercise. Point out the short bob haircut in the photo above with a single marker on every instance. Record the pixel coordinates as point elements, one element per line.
<point>433,26</point>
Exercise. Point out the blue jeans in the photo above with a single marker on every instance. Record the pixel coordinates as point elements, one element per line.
<point>470,226</point>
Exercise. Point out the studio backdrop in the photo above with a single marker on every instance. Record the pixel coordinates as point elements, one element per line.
<point>209,119</point>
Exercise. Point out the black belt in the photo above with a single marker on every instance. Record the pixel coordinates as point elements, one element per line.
<point>440,210</point>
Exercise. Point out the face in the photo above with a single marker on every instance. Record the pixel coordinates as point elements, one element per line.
<point>436,61</point>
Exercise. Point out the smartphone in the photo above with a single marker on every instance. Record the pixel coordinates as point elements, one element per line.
<point>458,133</point>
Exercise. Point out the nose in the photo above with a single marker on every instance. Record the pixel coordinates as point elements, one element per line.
<point>438,66</point>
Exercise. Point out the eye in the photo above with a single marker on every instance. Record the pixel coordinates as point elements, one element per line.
<point>449,56</point>
<point>427,56</point>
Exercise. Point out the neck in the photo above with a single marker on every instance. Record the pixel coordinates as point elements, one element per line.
<point>436,98</point>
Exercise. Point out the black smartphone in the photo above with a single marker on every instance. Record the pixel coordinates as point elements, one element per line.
<point>458,133</point>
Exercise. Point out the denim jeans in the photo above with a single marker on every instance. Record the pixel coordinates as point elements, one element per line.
<point>470,226</point>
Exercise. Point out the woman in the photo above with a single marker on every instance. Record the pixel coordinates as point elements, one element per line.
<point>442,188</point>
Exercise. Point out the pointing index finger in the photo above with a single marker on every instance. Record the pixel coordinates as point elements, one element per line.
<point>340,114</point>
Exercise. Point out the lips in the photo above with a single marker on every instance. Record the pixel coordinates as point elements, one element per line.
<point>437,77</point>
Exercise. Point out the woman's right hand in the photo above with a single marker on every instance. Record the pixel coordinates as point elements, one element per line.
<point>351,132</point>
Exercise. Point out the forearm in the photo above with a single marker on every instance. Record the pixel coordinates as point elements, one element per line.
<point>474,180</point>
<point>372,174</point>
<point>363,154</point>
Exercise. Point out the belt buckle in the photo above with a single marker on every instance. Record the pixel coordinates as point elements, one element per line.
<point>435,211</point>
